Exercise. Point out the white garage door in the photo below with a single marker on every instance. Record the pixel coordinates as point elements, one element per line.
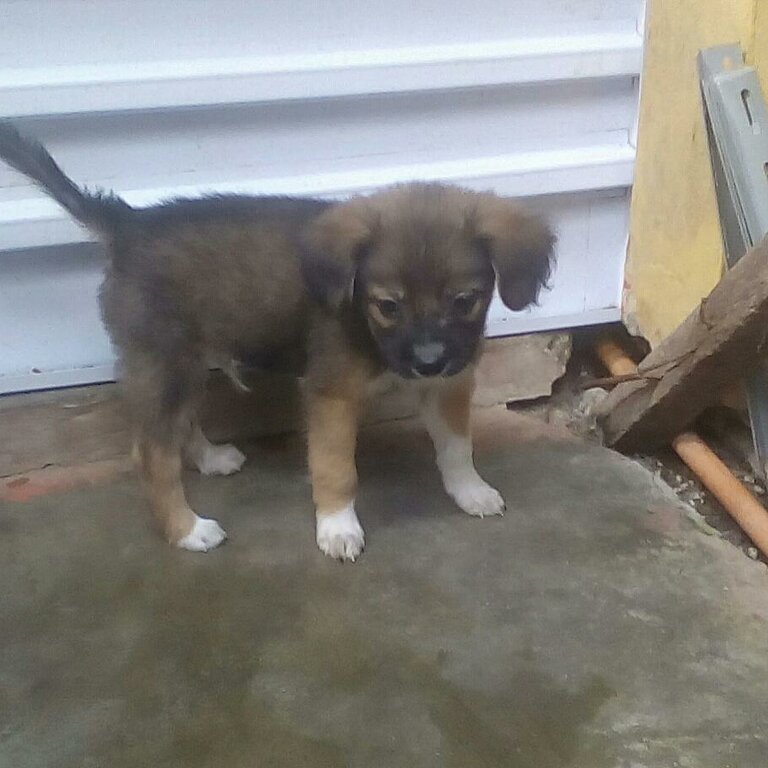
<point>153,98</point>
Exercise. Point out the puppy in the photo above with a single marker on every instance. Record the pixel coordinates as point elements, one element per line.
<point>189,283</point>
<point>404,279</point>
<point>395,284</point>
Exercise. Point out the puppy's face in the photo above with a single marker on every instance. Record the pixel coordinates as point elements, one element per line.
<point>419,263</point>
<point>424,293</point>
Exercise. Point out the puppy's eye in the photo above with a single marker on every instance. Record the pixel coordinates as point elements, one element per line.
<point>388,308</point>
<point>464,303</point>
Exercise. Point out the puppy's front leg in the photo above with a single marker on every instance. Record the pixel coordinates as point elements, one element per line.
<point>332,435</point>
<point>445,410</point>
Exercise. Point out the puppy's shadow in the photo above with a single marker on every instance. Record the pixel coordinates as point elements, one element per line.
<point>398,477</point>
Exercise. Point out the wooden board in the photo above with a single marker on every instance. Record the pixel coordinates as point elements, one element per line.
<point>717,344</point>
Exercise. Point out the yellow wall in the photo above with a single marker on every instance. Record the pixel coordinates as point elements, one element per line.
<point>675,252</point>
<point>759,46</point>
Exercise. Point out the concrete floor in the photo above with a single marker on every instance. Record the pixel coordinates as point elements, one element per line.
<point>595,625</point>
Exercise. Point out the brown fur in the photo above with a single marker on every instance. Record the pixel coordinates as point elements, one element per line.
<point>190,283</point>
<point>182,294</point>
<point>417,264</point>
<point>160,469</point>
<point>334,406</point>
<point>411,267</point>
<point>332,436</point>
<point>422,245</point>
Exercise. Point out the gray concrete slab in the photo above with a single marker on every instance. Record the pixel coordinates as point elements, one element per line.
<point>594,625</point>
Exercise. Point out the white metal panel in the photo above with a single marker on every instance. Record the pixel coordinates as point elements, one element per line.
<point>48,33</point>
<point>156,98</point>
<point>50,315</point>
<point>89,88</point>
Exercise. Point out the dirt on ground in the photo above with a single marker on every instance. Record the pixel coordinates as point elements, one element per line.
<point>574,401</point>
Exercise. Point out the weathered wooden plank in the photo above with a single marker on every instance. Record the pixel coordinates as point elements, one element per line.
<point>718,343</point>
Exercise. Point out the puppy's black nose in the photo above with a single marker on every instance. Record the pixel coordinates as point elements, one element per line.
<point>429,352</point>
<point>428,359</point>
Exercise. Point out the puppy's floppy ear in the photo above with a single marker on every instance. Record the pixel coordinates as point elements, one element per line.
<point>332,248</point>
<point>519,244</point>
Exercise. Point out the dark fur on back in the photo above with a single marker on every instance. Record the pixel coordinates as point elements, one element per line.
<point>194,283</point>
<point>189,283</point>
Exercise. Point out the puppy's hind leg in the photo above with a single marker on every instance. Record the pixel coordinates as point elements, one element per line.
<point>211,459</point>
<point>164,395</point>
<point>445,411</point>
<point>161,473</point>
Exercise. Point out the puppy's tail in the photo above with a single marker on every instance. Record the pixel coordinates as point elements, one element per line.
<point>101,213</point>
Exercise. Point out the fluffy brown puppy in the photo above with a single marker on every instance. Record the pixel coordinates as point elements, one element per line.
<point>397,283</point>
<point>405,278</point>
<point>189,283</point>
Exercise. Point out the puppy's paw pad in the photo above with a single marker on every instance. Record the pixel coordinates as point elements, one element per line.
<point>479,499</point>
<point>206,534</point>
<point>220,460</point>
<point>339,535</point>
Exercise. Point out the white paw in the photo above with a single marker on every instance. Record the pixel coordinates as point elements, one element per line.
<point>339,535</point>
<point>478,498</point>
<point>205,534</point>
<point>220,459</point>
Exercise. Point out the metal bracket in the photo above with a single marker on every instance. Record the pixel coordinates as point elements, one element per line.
<point>737,127</point>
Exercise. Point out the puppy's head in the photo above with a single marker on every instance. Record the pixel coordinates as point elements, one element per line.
<point>420,262</point>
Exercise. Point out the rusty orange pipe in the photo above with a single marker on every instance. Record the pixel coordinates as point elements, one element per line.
<point>615,359</point>
<point>740,504</point>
